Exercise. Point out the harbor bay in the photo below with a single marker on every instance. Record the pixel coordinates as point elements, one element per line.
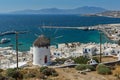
<point>33,24</point>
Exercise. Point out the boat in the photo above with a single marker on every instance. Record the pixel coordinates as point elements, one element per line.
<point>4,40</point>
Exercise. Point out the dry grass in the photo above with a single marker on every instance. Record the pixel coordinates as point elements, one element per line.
<point>108,59</point>
<point>72,74</point>
<point>116,72</point>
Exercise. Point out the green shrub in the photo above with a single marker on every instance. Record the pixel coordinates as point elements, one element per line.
<point>100,66</point>
<point>42,68</point>
<point>85,66</point>
<point>92,68</point>
<point>81,60</point>
<point>80,67</point>
<point>12,72</point>
<point>62,60</point>
<point>1,70</point>
<point>30,75</point>
<point>102,69</point>
<point>48,71</point>
<point>96,59</point>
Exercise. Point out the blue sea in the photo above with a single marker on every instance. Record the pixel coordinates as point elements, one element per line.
<point>33,23</point>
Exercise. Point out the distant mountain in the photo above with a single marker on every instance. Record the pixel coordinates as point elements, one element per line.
<point>115,14</point>
<point>80,10</point>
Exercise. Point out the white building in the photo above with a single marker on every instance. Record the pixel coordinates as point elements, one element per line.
<point>41,51</point>
<point>75,54</point>
<point>116,51</point>
<point>118,55</point>
<point>108,52</point>
<point>89,50</point>
<point>57,54</point>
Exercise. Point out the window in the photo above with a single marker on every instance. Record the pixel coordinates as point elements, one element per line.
<point>54,53</point>
<point>89,49</point>
<point>45,59</point>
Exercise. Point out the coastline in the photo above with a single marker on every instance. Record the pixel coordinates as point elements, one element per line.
<point>94,32</point>
<point>107,29</point>
<point>111,31</point>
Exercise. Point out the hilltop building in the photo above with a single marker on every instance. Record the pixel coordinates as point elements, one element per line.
<point>41,51</point>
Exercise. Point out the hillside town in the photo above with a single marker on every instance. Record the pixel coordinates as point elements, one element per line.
<point>64,50</point>
<point>82,57</point>
<point>77,49</point>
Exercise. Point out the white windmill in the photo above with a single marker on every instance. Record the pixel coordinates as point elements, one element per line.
<point>41,48</point>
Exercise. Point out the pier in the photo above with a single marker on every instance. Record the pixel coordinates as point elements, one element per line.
<point>12,32</point>
<point>82,28</point>
<point>110,30</point>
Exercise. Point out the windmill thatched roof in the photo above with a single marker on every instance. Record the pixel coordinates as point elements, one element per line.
<point>41,41</point>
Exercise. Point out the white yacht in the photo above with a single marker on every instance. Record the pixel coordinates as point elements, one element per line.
<point>5,40</point>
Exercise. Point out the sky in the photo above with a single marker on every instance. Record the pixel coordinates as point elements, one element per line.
<point>14,5</point>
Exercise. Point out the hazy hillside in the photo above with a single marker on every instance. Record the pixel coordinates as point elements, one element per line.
<point>80,10</point>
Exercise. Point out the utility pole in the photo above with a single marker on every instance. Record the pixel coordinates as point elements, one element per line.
<point>17,48</point>
<point>100,47</point>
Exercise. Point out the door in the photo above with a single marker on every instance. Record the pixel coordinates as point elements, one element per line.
<point>45,60</point>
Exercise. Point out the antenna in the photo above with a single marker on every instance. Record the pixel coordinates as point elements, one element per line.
<point>100,47</point>
<point>17,47</point>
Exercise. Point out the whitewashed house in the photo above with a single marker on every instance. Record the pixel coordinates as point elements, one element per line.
<point>118,55</point>
<point>108,52</point>
<point>76,53</point>
<point>57,54</point>
<point>116,51</point>
<point>61,46</point>
<point>89,50</point>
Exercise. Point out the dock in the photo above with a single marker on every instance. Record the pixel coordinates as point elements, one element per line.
<point>12,32</point>
<point>82,28</point>
<point>110,30</point>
